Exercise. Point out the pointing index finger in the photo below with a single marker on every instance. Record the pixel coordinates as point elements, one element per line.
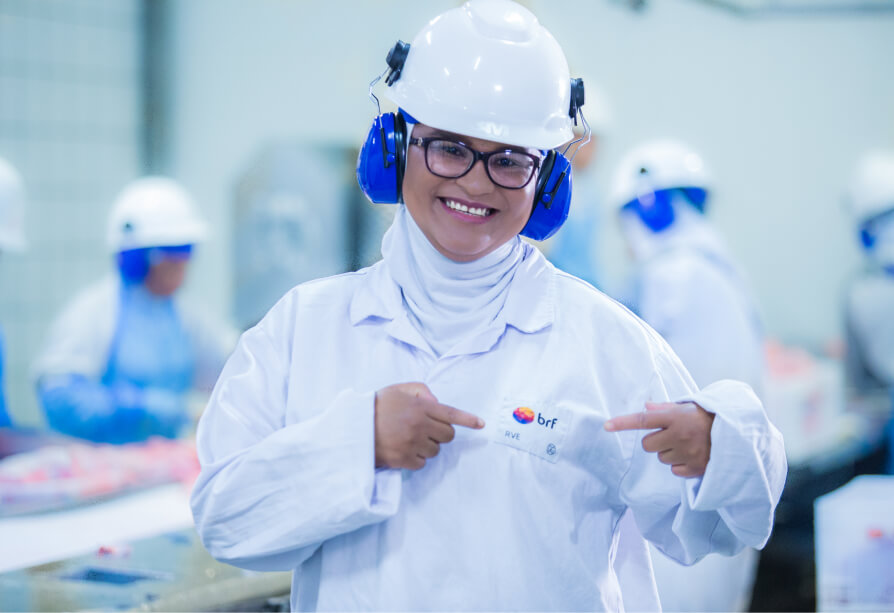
<point>453,416</point>
<point>638,421</point>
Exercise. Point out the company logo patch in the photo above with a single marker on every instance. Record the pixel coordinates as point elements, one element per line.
<point>536,427</point>
<point>523,415</point>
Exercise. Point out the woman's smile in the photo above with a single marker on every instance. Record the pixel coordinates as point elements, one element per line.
<point>472,212</point>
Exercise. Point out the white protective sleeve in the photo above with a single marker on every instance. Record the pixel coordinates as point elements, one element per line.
<point>270,491</point>
<point>732,504</point>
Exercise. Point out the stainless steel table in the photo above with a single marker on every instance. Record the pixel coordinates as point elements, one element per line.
<point>171,572</point>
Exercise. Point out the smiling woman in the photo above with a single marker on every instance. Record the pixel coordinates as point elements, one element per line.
<point>379,430</point>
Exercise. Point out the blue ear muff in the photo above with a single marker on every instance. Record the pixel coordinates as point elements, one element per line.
<point>867,238</point>
<point>552,198</point>
<point>381,163</point>
<point>655,209</point>
<point>133,264</point>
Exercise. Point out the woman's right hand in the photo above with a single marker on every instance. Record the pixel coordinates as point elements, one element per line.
<point>411,425</point>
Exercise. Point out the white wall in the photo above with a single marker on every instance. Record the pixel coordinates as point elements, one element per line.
<point>70,124</point>
<point>780,107</point>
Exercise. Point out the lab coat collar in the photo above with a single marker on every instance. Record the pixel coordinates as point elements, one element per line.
<point>531,303</point>
<point>378,301</point>
<point>530,306</point>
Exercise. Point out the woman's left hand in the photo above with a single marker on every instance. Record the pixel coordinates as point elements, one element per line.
<point>682,439</point>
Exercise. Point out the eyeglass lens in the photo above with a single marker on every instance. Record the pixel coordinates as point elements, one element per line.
<point>511,169</point>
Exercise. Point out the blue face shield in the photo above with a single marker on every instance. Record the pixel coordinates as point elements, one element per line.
<point>656,209</point>
<point>134,264</point>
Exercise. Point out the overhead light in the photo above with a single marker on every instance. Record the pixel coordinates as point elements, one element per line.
<point>634,5</point>
<point>804,6</point>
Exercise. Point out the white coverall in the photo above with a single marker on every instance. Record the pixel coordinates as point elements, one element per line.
<point>517,516</point>
<point>693,294</point>
<point>869,325</point>
<point>870,332</point>
<point>93,340</point>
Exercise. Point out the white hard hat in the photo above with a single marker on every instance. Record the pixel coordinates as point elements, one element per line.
<point>489,70</point>
<point>12,209</point>
<point>872,186</point>
<point>658,165</point>
<point>154,212</point>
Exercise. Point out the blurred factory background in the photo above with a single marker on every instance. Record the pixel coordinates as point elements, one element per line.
<point>259,109</point>
<point>231,98</point>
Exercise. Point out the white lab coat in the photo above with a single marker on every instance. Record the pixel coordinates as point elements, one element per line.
<point>511,517</point>
<point>694,295</point>
<point>870,333</point>
<point>80,338</point>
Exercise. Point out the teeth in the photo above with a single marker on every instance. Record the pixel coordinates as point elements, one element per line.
<point>457,206</point>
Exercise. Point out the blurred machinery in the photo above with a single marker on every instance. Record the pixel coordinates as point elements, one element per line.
<point>298,216</point>
<point>855,546</point>
<point>829,441</point>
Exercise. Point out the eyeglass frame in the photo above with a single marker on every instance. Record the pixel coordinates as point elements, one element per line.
<point>424,141</point>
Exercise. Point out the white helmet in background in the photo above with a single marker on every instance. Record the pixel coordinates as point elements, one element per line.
<point>871,199</point>
<point>488,69</point>
<point>656,166</point>
<point>154,212</point>
<point>12,209</point>
<point>872,186</point>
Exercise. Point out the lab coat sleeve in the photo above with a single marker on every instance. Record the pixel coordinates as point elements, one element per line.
<point>270,492</point>
<point>746,473</point>
<point>732,505</point>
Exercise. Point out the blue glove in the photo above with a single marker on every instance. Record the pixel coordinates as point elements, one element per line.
<point>123,413</point>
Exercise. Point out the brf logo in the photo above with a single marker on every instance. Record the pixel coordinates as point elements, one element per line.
<point>548,423</point>
<point>524,415</point>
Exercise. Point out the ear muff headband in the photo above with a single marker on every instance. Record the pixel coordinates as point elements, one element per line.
<point>381,162</point>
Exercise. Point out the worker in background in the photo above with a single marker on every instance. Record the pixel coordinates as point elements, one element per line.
<point>576,248</point>
<point>692,292</point>
<point>122,358</point>
<point>869,302</point>
<point>460,425</point>
<point>12,238</point>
